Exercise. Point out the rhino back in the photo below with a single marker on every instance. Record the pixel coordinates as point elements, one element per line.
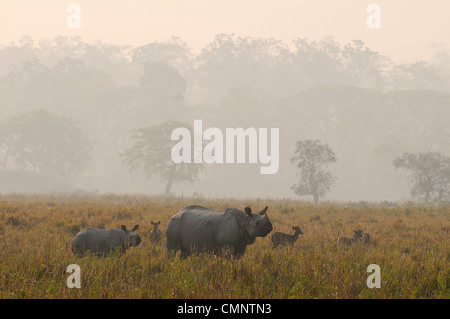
<point>207,229</point>
<point>97,240</point>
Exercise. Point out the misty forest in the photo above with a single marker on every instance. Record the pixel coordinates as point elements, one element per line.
<point>97,117</point>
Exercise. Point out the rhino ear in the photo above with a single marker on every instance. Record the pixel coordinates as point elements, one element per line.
<point>248,211</point>
<point>123,227</point>
<point>241,218</point>
<point>135,227</point>
<point>263,211</point>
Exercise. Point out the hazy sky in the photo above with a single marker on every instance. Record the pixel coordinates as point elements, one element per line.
<point>409,28</point>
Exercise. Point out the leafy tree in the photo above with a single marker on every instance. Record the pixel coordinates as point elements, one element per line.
<point>364,66</point>
<point>162,80</point>
<point>318,62</point>
<point>418,75</point>
<point>8,137</point>
<point>163,87</point>
<point>16,53</point>
<point>151,151</point>
<point>173,52</point>
<point>69,87</point>
<point>44,143</point>
<point>230,61</point>
<point>313,158</point>
<point>429,173</point>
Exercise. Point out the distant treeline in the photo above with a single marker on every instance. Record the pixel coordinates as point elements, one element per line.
<point>366,107</point>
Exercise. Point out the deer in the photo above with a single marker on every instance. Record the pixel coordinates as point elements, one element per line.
<point>358,235</point>
<point>280,238</point>
<point>155,233</point>
<point>366,238</point>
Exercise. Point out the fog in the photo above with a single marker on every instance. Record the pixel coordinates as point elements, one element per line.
<point>69,107</point>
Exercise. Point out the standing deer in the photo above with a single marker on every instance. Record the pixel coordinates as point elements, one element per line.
<point>155,233</point>
<point>279,238</point>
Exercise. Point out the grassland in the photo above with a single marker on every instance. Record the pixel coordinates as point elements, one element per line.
<point>410,244</point>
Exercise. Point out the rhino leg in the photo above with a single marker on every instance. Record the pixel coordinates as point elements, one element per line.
<point>184,253</point>
<point>231,251</point>
<point>225,251</point>
<point>240,251</point>
<point>173,240</point>
<point>78,248</point>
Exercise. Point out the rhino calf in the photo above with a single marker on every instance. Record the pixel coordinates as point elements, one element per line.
<point>350,240</point>
<point>103,241</point>
<point>280,238</point>
<point>155,233</point>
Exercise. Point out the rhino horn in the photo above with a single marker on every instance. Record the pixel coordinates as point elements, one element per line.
<point>263,212</point>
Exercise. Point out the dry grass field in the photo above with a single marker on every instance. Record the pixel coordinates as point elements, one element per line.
<point>409,243</point>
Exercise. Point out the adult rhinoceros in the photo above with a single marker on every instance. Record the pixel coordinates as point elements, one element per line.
<point>199,229</point>
<point>103,241</point>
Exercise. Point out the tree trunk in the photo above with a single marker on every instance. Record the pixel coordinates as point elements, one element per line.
<point>5,159</point>
<point>316,198</point>
<point>167,189</point>
<point>169,181</point>
<point>427,196</point>
<point>314,186</point>
<point>440,195</point>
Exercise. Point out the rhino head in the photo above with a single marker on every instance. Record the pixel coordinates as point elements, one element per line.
<point>258,225</point>
<point>130,237</point>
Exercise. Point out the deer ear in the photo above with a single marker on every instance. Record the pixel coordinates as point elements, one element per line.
<point>152,222</point>
<point>248,211</point>
<point>159,222</point>
<point>123,227</point>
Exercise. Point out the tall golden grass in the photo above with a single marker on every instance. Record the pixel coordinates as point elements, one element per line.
<point>409,243</point>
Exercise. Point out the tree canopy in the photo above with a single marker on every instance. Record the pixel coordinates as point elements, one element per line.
<point>313,159</point>
<point>429,174</point>
<point>151,152</point>
<point>44,143</point>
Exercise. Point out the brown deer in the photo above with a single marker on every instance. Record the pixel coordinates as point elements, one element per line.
<point>350,240</point>
<point>366,238</point>
<point>155,233</point>
<point>280,238</point>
